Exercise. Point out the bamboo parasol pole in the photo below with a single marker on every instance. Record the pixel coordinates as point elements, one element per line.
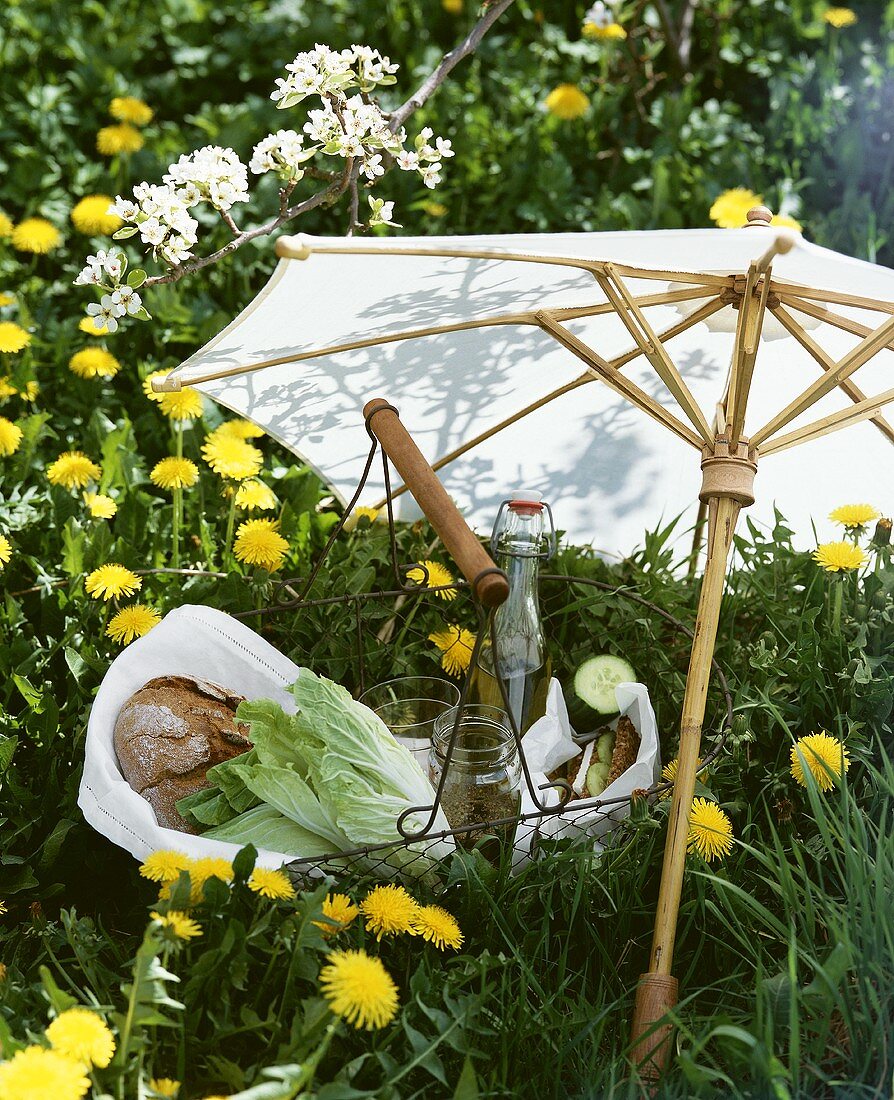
<point>727,486</point>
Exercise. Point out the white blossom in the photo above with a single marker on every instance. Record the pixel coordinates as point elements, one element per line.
<point>126,209</point>
<point>127,299</point>
<point>90,276</point>
<point>408,160</point>
<point>600,14</point>
<point>444,147</point>
<point>212,173</point>
<point>103,314</point>
<point>381,212</point>
<point>431,174</point>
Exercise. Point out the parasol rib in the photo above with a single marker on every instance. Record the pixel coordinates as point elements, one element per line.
<point>795,290</point>
<point>844,368</point>
<point>591,376</point>
<point>806,341</point>
<point>863,410</point>
<point>300,248</point>
<point>834,319</point>
<point>652,348</point>
<point>604,370</point>
<point>748,330</point>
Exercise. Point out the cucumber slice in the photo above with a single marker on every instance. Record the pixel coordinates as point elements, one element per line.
<point>597,779</point>
<point>605,747</point>
<point>596,679</point>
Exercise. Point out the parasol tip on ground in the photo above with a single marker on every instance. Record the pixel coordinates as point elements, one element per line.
<point>292,248</point>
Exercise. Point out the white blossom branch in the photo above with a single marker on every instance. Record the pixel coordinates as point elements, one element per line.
<point>348,179</point>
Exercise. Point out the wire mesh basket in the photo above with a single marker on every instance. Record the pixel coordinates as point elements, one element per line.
<point>359,647</point>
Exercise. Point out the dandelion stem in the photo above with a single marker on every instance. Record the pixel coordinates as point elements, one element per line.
<point>177,500</point>
<point>231,522</point>
<point>837,592</point>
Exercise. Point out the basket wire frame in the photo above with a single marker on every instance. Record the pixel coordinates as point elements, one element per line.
<point>418,851</point>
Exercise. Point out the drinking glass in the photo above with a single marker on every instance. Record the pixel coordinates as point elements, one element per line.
<point>409,705</point>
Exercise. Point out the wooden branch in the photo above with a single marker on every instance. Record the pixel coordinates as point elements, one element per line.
<point>822,357</point>
<point>337,187</point>
<point>843,369</point>
<point>863,410</point>
<point>448,63</point>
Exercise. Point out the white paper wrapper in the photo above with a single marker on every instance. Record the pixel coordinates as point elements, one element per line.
<point>551,744</point>
<point>190,641</point>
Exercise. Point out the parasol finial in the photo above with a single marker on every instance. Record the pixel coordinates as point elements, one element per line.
<point>759,215</point>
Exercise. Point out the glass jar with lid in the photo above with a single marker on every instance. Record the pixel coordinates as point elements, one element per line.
<point>483,775</point>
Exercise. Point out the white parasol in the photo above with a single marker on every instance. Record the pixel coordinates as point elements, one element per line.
<point>496,350</point>
<point>587,366</point>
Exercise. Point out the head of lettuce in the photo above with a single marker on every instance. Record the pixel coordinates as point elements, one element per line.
<point>329,778</point>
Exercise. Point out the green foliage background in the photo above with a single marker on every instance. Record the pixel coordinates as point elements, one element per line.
<point>785,952</point>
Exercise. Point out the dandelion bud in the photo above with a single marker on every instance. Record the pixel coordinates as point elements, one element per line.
<point>882,535</point>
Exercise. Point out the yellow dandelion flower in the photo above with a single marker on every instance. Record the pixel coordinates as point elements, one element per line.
<point>110,581</point>
<point>94,363</point>
<point>710,830</point>
<point>270,884</point>
<point>839,557</point>
<point>10,436</point>
<point>567,102</point>
<point>786,221</point>
<point>609,31</point>
<point>437,926</point>
<point>456,645</point>
<point>83,1036</point>
<point>5,555</point>
<point>127,108</point>
<point>100,506</point>
<point>164,1087</point>
<point>7,390</point>
<point>132,622</point>
<point>123,138</point>
<point>253,494</point>
<point>174,473</point>
<point>3,907</point>
<point>233,458</point>
<point>6,299</point>
<point>13,337</point>
<point>36,1073</point>
<point>6,226</point>
<point>91,216</point>
<point>359,989</point>
<point>824,756</point>
<point>371,515</point>
<point>259,543</point>
<point>433,575</point>
<point>73,470</point>
<point>30,391</point>
<point>339,911</point>
<point>854,515</point>
<point>147,385</point>
<point>185,404</point>
<point>389,910</point>
<point>35,235</point>
<point>204,869</point>
<point>840,17</point>
<point>164,865</point>
<point>729,210</point>
<point>669,773</point>
<point>3,973</point>
<point>86,324</point>
<point>434,209</point>
<point>241,429</point>
<point>177,925</point>
<point>453,7</point>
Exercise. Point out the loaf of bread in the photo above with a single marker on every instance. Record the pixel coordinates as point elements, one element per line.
<point>169,733</point>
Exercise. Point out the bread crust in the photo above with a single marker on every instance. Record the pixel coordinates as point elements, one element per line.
<point>169,733</point>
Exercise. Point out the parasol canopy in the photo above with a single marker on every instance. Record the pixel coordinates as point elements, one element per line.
<point>584,365</point>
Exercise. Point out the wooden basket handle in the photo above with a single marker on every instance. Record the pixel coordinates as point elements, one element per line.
<point>489,584</point>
